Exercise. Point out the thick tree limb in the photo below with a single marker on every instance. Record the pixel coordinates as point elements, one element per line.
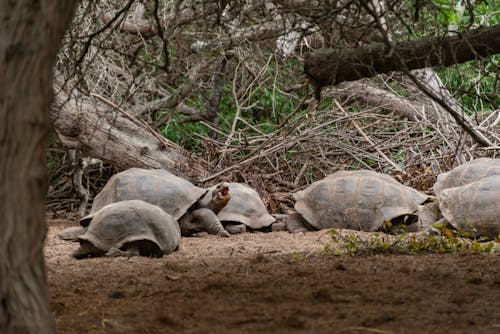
<point>332,66</point>
<point>212,109</point>
<point>259,32</point>
<point>367,93</point>
<point>173,100</point>
<point>106,132</point>
<point>177,18</point>
<point>135,25</point>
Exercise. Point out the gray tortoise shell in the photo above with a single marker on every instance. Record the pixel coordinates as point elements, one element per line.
<point>173,194</point>
<point>245,207</point>
<point>123,222</point>
<point>359,200</point>
<point>473,208</point>
<point>468,172</point>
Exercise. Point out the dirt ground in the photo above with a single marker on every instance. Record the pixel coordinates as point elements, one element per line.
<point>271,283</point>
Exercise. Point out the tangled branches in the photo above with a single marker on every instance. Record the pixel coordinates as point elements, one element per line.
<point>224,80</point>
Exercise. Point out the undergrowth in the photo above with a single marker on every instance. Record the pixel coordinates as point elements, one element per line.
<point>379,243</point>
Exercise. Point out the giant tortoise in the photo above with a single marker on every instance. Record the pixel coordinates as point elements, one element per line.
<point>129,228</point>
<point>194,208</point>
<point>468,172</point>
<point>472,209</point>
<point>359,200</point>
<point>244,210</point>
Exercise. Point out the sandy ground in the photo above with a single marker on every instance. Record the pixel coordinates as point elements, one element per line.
<point>271,283</point>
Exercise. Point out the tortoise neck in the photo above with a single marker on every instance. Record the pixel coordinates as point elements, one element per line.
<point>218,204</point>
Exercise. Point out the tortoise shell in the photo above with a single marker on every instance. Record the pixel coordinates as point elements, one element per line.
<point>359,200</point>
<point>118,224</point>
<point>173,194</point>
<point>245,207</point>
<point>473,208</point>
<point>468,172</point>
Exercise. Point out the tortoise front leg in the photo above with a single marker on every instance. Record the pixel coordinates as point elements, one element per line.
<point>209,220</point>
<point>295,223</point>
<point>129,252</point>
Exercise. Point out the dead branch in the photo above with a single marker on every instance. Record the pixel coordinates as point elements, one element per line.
<point>365,136</point>
<point>173,101</point>
<point>174,19</point>
<point>212,109</point>
<point>369,94</point>
<point>332,66</point>
<point>108,133</point>
<point>480,138</point>
<point>136,26</point>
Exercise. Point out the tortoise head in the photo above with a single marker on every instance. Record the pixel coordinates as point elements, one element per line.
<point>221,196</point>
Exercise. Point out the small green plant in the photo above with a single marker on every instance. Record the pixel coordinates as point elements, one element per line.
<point>301,256</point>
<point>353,244</point>
<point>399,157</point>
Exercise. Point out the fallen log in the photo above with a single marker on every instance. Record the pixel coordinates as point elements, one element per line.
<point>103,130</point>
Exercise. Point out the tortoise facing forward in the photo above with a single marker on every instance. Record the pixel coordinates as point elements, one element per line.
<point>129,228</point>
<point>245,210</point>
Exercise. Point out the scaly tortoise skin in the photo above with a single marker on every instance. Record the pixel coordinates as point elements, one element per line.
<point>359,200</point>
<point>129,228</point>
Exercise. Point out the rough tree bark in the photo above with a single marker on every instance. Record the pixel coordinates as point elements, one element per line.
<point>30,33</point>
<point>368,93</point>
<point>104,131</point>
<point>174,19</point>
<point>332,66</point>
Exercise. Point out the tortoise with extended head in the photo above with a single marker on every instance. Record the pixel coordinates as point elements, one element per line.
<point>359,200</point>
<point>129,228</point>
<point>468,172</point>
<point>473,209</point>
<point>244,211</point>
<point>194,208</point>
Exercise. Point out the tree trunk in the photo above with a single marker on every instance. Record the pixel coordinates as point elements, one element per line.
<point>332,66</point>
<point>30,33</point>
<point>104,131</point>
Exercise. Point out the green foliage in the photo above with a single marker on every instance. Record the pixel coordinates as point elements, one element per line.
<point>378,243</point>
<point>399,157</point>
<point>484,13</point>
<point>301,256</point>
<point>476,84</point>
<point>479,13</point>
<point>439,16</point>
<point>184,133</point>
<point>268,109</point>
<point>446,13</point>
